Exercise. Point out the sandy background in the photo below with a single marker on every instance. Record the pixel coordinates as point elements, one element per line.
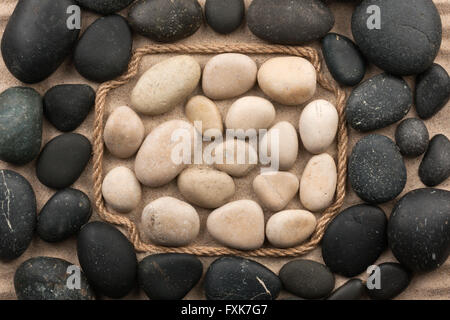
<point>435,285</point>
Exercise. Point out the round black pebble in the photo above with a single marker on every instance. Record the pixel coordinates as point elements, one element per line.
<point>169,276</point>
<point>412,137</point>
<point>104,49</point>
<point>166,20</point>
<point>63,215</point>
<point>235,278</point>
<point>67,105</point>
<point>432,91</point>
<point>435,166</point>
<point>46,278</point>
<point>107,258</point>
<point>307,279</point>
<point>17,214</point>
<point>354,240</point>
<point>353,289</point>
<point>343,59</point>
<point>224,16</point>
<point>104,7</point>
<point>419,229</point>
<point>394,279</point>
<point>378,102</point>
<point>376,169</point>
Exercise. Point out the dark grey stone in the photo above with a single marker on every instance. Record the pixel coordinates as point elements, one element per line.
<point>394,279</point>
<point>104,6</point>
<point>412,137</point>
<point>224,16</point>
<point>435,166</point>
<point>353,289</point>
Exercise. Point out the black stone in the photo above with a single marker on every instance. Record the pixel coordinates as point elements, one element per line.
<point>289,21</point>
<point>353,289</point>
<point>104,7</point>
<point>104,50</point>
<point>419,229</point>
<point>20,125</point>
<point>224,16</point>
<point>432,91</point>
<point>376,169</point>
<point>66,106</point>
<point>435,166</point>
<point>307,279</point>
<point>165,20</point>
<point>412,137</point>
<point>169,276</point>
<point>394,279</point>
<point>378,102</point>
<point>36,39</point>
<point>235,278</point>
<point>107,258</point>
<point>17,214</point>
<point>343,58</point>
<point>408,39</point>
<point>63,215</point>
<point>46,278</point>
<point>354,240</point>
<point>63,159</point>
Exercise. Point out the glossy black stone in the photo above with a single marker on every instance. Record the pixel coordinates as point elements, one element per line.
<point>67,105</point>
<point>36,39</point>
<point>289,21</point>
<point>17,214</point>
<point>235,278</point>
<point>354,240</point>
<point>46,278</point>
<point>104,6</point>
<point>432,91</point>
<point>394,279</point>
<point>412,137</point>
<point>107,258</point>
<point>165,20</point>
<point>307,279</point>
<point>407,39</point>
<point>419,229</point>
<point>20,125</point>
<point>343,58</point>
<point>63,159</point>
<point>63,215</point>
<point>435,166</point>
<point>353,289</point>
<point>224,16</point>
<point>378,102</point>
<point>376,169</point>
<point>104,50</point>
<point>169,276</point>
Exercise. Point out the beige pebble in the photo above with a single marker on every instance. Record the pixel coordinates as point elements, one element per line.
<point>286,144</point>
<point>238,224</point>
<point>170,222</point>
<point>201,109</point>
<point>288,80</point>
<point>290,228</point>
<point>318,183</point>
<point>206,187</point>
<point>121,190</point>
<point>228,75</point>
<point>124,132</point>
<point>318,126</point>
<point>165,85</point>
<point>275,189</point>
<point>250,113</point>
<point>160,158</point>
<point>235,157</point>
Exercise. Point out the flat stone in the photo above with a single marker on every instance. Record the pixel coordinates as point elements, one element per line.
<point>104,7</point>
<point>354,240</point>
<point>435,166</point>
<point>170,222</point>
<point>238,224</point>
<point>226,157</point>
<point>224,17</point>
<point>394,279</point>
<point>205,112</point>
<point>412,137</point>
<point>250,113</point>
<point>353,289</point>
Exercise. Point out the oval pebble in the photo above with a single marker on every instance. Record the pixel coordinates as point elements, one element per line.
<point>250,113</point>
<point>228,157</point>
<point>104,7</point>
<point>165,85</point>
<point>435,166</point>
<point>124,132</point>
<point>228,75</point>
<point>288,80</point>
<point>170,222</point>
<point>353,289</point>
<point>394,279</point>
<point>412,137</point>
<point>224,17</point>
<point>121,190</point>
<point>205,115</point>
<point>290,228</point>
<point>238,224</point>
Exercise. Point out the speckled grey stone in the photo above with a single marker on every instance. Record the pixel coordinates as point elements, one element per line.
<point>435,166</point>
<point>412,137</point>
<point>104,6</point>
